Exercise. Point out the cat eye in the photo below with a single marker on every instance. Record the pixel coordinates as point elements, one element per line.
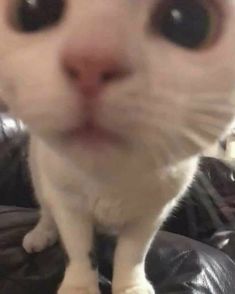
<point>34,15</point>
<point>188,23</point>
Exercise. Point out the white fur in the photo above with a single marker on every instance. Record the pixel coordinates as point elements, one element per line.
<point>172,104</point>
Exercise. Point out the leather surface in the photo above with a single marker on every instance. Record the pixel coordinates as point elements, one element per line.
<point>175,264</point>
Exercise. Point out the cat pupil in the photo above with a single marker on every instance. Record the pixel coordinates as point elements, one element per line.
<point>184,22</point>
<point>34,15</point>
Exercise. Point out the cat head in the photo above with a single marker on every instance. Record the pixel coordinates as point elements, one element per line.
<point>147,80</point>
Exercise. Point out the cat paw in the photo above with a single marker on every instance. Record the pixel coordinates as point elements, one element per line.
<point>39,239</point>
<point>143,288</point>
<point>78,290</point>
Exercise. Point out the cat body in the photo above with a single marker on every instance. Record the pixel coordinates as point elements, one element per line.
<point>110,203</point>
<point>120,98</point>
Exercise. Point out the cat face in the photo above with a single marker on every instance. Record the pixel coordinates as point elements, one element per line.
<point>151,80</point>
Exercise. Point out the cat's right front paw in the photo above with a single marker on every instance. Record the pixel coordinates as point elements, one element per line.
<point>139,288</point>
<point>39,239</point>
<point>66,289</point>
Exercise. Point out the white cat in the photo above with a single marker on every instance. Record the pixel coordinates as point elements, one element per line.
<point>120,98</point>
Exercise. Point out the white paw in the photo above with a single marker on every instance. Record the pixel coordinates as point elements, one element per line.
<point>39,239</point>
<point>141,288</point>
<point>79,279</point>
<point>78,290</point>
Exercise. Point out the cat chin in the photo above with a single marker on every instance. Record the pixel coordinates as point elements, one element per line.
<point>88,153</point>
<point>94,140</point>
<point>106,161</point>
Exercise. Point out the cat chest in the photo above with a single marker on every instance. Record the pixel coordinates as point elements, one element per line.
<point>108,212</point>
<point>115,212</point>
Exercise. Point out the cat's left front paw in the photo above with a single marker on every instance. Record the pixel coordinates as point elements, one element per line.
<point>141,288</point>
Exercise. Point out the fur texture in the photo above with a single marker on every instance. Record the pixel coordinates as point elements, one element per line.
<point>165,106</point>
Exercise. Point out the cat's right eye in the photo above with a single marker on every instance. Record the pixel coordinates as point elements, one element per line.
<point>33,15</point>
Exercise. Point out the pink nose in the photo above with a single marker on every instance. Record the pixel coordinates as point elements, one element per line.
<point>91,72</point>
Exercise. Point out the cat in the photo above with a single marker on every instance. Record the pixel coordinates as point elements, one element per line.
<point>120,98</point>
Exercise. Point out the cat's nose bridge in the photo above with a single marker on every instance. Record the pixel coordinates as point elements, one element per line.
<point>106,19</point>
<point>96,55</point>
<point>90,14</point>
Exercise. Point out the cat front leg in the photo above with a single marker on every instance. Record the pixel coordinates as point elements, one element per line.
<point>129,262</point>
<point>43,235</point>
<point>76,232</point>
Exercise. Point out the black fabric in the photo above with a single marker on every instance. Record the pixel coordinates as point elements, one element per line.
<point>209,205</point>
<point>15,183</point>
<point>21,273</point>
<point>224,241</point>
<point>175,264</point>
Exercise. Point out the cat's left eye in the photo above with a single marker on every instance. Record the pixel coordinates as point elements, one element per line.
<point>192,24</point>
<point>34,15</point>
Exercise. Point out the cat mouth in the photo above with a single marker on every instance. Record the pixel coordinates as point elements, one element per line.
<point>92,135</point>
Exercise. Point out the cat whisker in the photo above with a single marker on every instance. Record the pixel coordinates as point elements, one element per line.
<point>195,138</point>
